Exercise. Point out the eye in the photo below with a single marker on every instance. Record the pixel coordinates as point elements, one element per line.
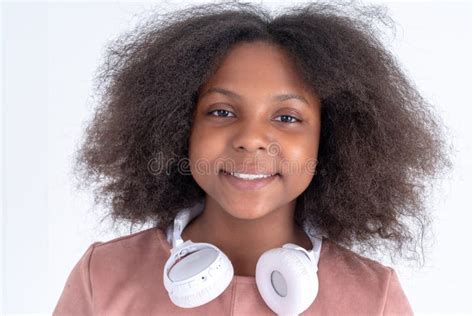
<point>291,117</point>
<point>219,111</point>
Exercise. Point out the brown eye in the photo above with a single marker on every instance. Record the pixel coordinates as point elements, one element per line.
<point>289,117</point>
<point>219,111</point>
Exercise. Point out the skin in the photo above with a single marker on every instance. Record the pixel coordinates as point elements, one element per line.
<point>244,224</point>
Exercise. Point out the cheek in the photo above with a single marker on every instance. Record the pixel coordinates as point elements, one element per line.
<point>298,174</point>
<point>299,163</point>
<point>197,141</point>
<point>299,156</point>
<point>204,149</point>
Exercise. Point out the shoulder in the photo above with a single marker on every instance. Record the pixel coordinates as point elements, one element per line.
<point>131,259</point>
<point>351,263</point>
<point>344,265</point>
<point>142,238</point>
<point>133,246</point>
<point>115,258</point>
<point>105,267</point>
<point>358,283</point>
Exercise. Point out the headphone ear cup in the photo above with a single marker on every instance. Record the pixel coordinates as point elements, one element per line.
<point>193,280</point>
<point>287,280</point>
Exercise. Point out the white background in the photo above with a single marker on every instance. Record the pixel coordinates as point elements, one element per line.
<point>49,54</point>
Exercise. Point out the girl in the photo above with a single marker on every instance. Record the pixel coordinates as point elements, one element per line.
<point>279,125</point>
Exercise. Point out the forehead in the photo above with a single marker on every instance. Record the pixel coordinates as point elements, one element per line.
<point>257,66</point>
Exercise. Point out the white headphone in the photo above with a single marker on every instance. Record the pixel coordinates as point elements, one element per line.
<point>197,273</point>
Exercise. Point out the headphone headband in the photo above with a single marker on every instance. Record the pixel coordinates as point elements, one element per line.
<point>182,219</point>
<point>186,215</point>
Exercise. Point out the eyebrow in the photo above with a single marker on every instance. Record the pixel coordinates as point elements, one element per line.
<point>279,97</point>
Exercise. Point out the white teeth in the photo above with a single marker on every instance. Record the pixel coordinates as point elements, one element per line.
<point>250,176</point>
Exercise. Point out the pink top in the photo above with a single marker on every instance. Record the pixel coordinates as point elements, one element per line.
<point>124,276</point>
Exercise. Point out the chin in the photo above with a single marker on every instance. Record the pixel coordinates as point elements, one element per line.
<point>247,213</point>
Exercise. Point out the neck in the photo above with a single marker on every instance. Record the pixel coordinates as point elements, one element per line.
<point>244,240</point>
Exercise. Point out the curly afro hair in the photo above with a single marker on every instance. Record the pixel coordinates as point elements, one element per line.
<point>380,139</point>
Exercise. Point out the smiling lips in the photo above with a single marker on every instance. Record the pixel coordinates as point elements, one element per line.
<point>249,176</point>
<point>250,171</point>
<point>248,184</point>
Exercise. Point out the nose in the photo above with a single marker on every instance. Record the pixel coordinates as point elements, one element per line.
<point>252,136</point>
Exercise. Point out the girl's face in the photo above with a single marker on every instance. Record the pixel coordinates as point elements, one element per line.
<point>241,125</point>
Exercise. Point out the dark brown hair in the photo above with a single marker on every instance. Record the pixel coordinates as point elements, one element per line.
<point>380,140</point>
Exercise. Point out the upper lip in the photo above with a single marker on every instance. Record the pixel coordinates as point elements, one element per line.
<point>250,170</point>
